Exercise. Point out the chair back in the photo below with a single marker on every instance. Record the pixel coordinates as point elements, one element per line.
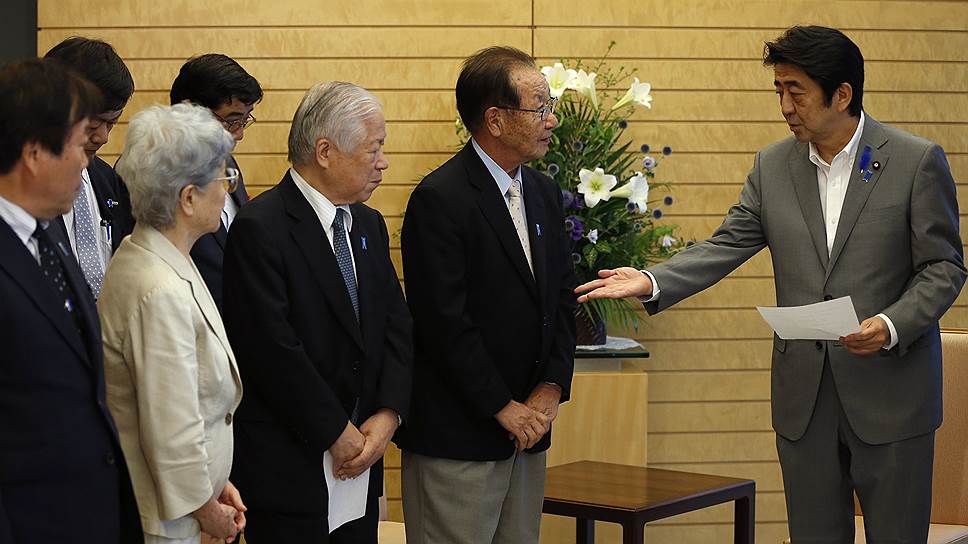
<point>949,498</point>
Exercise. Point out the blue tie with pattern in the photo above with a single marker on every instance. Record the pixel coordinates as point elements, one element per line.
<point>345,260</point>
<point>85,238</point>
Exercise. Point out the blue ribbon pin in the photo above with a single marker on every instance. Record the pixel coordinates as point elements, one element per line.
<point>865,161</point>
<point>537,228</point>
<point>363,242</point>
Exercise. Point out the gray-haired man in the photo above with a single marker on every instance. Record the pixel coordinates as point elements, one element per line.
<point>323,332</point>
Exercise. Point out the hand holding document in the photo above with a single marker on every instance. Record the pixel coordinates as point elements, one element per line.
<point>347,498</point>
<point>828,320</point>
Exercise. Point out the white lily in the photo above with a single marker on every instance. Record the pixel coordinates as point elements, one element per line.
<point>638,93</point>
<point>636,191</point>
<point>596,185</point>
<point>559,78</point>
<point>584,83</point>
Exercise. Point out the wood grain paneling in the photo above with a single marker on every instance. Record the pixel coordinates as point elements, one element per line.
<point>713,103</point>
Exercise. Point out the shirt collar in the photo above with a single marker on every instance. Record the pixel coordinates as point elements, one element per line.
<point>501,177</point>
<point>22,223</point>
<point>850,149</point>
<point>325,210</point>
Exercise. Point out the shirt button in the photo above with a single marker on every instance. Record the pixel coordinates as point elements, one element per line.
<point>228,418</point>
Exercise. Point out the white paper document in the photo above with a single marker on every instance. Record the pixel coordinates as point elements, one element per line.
<point>828,320</point>
<point>347,498</point>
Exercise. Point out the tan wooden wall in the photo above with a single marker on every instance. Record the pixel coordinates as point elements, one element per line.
<point>713,103</point>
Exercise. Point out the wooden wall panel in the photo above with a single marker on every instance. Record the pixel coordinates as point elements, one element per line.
<point>713,103</point>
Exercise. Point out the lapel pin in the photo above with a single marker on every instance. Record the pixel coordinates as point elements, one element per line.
<point>363,242</point>
<point>876,165</point>
<point>865,159</point>
<point>112,203</point>
<point>537,228</point>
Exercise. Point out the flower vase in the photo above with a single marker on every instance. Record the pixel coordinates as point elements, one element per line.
<point>588,331</point>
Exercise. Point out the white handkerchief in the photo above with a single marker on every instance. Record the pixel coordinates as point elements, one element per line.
<point>347,498</point>
<point>828,320</point>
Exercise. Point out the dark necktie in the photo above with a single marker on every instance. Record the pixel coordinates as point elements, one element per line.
<point>53,270</point>
<point>345,260</point>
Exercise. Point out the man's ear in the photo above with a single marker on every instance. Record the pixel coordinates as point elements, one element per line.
<point>842,97</point>
<point>323,152</point>
<point>494,121</point>
<point>31,155</point>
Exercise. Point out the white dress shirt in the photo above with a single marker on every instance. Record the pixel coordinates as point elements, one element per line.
<point>229,210</point>
<point>832,179</point>
<point>501,177</point>
<point>326,212</point>
<point>23,225</point>
<point>102,231</point>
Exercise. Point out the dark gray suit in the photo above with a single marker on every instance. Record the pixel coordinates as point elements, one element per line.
<point>897,251</point>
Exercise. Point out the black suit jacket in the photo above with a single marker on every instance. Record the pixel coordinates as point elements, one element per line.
<point>62,474</point>
<point>209,250</point>
<point>486,331</point>
<point>113,202</point>
<point>302,355</point>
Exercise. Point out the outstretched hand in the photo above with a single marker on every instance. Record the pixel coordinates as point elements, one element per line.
<point>616,283</point>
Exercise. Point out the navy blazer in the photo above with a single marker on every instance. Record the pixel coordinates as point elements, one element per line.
<point>62,474</point>
<point>209,250</point>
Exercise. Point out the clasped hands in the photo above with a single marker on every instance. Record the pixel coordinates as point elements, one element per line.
<point>223,518</point>
<point>527,423</point>
<point>358,449</point>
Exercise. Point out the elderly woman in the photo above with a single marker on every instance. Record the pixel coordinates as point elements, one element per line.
<point>172,382</point>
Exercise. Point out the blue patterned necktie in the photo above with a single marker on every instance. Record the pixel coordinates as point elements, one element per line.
<point>55,275</point>
<point>345,260</point>
<point>85,238</point>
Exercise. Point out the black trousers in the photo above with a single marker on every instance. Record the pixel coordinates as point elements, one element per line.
<point>263,527</point>
<point>823,469</point>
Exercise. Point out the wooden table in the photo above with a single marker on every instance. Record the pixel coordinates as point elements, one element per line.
<point>634,496</point>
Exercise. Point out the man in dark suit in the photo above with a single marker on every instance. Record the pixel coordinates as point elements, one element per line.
<point>317,319</point>
<point>62,474</point>
<point>489,282</point>
<point>223,86</point>
<point>847,206</point>
<point>101,215</point>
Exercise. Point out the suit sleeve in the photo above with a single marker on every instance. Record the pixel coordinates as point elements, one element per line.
<point>393,391</point>
<point>271,358</point>
<point>703,264</point>
<point>433,267</point>
<point>936,251</point>
<point>561,359</point>
<point>160,351</point>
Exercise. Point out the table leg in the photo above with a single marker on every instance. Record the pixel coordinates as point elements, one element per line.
<point>633,532</point>
<point>744,525</point>
<point>584,531</point>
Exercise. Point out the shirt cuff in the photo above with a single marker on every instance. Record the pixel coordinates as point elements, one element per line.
<point>892,341</point>
<point>655,288</point>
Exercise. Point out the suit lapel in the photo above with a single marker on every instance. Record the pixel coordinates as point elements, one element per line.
<point>803,173</point>
<point>82,293</point>
<point>858,191</point>
<point>360,239</point>
<point>314,244</point>
<point>21,266</point>
<point>495,211</point>
<point>537,229</point>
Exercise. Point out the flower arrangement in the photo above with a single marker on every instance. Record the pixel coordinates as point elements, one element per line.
<point>605,182</point>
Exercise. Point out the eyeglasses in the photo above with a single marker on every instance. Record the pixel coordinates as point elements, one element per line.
<point>543,111</point>
<point>232,126</point>
<point>230,181</point>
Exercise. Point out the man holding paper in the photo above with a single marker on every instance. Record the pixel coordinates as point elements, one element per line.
<point>315,312</point>
<point>847,206</point>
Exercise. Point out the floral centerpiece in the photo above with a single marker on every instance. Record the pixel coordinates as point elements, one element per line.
<point>606,184</point>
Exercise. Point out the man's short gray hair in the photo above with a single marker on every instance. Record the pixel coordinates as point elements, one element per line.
<point>167,149</point>
<point>335,111</point>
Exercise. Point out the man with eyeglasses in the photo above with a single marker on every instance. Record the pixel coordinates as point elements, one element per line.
<point>101,215</point>
<point>220,84</point>
<point>489,279</point>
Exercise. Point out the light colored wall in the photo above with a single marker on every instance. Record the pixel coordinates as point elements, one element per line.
<point>714,104</point>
